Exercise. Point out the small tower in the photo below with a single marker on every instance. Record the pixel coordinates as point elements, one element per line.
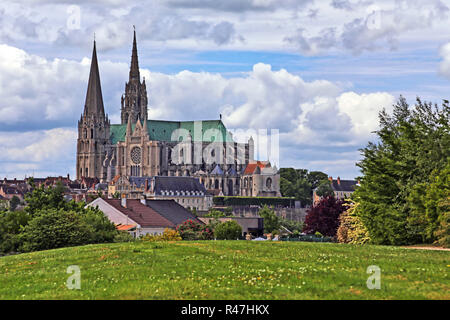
<point>93,128</point>
<point>134,101</point>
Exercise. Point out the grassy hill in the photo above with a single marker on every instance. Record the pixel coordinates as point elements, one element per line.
<point>226,270</point>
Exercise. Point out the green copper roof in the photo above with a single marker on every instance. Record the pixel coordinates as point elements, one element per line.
<point>160,130</point>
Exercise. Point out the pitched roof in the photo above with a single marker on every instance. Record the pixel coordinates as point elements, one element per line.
<point>180,184</point>
<point>172,211</point>
<point>141,214</point>
<point>251,167</point>
<point>160,130</point>
<point>217,171</point>
<point>344,185</point>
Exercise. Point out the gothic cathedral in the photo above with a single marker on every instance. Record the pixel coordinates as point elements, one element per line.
<point>140,147</point>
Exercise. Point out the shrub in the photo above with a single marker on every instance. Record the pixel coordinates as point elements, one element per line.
<point>443,231</point>
<point>229,230</point>
<point>192,230</point>
<point>55,229</point>
<point>324,217</point>
<point>351,229</point>
<point>11,224</point>
<point>123,236</point>
<point>167,235</point>
<point>271,221</point>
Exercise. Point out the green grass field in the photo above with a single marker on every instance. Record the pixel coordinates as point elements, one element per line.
<point>226,270</point>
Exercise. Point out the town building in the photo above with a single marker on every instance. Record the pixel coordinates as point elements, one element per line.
<point>141,217</point>
<point>186,191</point>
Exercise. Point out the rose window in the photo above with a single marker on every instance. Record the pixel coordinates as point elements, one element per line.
<point>136,155</point>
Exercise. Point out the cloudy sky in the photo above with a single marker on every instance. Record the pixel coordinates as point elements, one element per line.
<point>319,71</point>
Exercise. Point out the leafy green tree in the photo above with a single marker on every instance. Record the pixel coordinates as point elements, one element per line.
<point>300,183</point>
<point>229,230</point>
<point>13,203</point>
<point>55,228</point>
<point>324,190</point>
<point>271,220</point>
<point>315,178</point>
<point>11,224</point>
<point>413,143</point>
<point>42,198</point>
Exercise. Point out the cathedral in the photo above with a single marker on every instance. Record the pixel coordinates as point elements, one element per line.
<point>140,147</point>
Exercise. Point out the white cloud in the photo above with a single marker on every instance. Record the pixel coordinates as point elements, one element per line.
<point>41,94</point>
<point>44,152</point>
<point>444,67</point>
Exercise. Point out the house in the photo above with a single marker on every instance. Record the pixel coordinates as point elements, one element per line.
<point>186,191</point>
<point>139,218</point>
<point>9,191</point>
<point>342,189</point>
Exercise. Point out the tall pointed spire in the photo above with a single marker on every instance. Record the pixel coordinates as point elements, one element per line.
<point>94,98</point>
<point>129,128</point>
<point>134,69</point>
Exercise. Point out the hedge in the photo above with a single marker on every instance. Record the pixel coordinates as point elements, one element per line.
<point>253,201</point>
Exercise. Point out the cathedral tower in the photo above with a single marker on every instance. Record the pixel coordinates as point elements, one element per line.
<point>93,128</point>
<point>134,101</point>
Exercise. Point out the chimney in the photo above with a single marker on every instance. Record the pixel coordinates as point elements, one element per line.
<point>146,185</point>
<point>68,177</point>
<point>331,179</point>
<point>124,201</point>
<point>143,200</point>
<point>339,180</point>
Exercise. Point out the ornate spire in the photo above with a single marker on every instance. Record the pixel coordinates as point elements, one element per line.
<point>94,98</point>
<point>129,130</point>
<point>134,69</point>
<point>145,129</point>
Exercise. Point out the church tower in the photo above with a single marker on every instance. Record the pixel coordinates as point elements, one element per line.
<point>134,101</point>
<point>93,128</point>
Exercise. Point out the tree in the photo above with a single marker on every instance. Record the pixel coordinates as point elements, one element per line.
<point>324,217</point>
<point>351,229</point>
<point>271,220</point>
<point>324,189</point>
<point>55,228</point>
<point>229,230</point>
<point>13,203</point>
<point>42,198</point>
<point>413,143</point>
<point>300,183</point>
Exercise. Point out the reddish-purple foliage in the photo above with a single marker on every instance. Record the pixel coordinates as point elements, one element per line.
<point>324,217</point>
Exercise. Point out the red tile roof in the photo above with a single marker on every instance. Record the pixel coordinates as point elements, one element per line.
<point>125,227</point>
<point>251,167</point>
<point>141,214</point>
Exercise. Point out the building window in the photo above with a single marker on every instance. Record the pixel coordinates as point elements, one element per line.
<point>269,183</point>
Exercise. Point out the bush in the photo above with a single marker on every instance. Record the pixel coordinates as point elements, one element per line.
<point>443,231</point>
<point>192,230</point>
<point>167,235</point>
<point>56,229</point>
<point>123,236</point>
<point>229,230</point>
<point>324,217</point>
<point>255,201</point>
<point>351,229</point>
<point>11,224</point>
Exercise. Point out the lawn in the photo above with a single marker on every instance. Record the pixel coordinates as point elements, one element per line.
<point>226,270</point>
